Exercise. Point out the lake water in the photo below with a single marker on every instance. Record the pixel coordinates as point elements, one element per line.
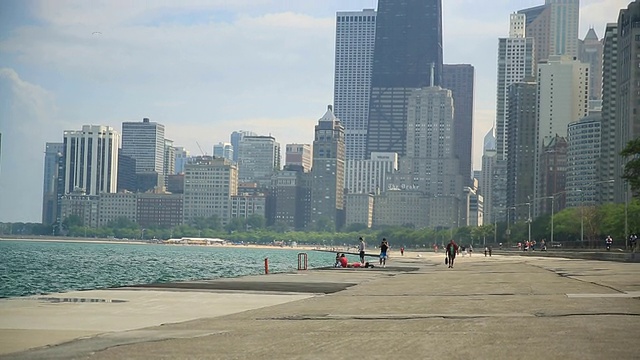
<point>41,267</point>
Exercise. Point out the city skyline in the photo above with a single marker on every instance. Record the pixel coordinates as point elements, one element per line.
<point>51,92</point>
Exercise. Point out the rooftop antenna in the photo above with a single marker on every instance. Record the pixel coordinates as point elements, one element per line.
<point>433,69</point>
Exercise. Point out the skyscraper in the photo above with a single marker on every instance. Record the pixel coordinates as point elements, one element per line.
<point>369,176</point>
<point>583,152</point>
<point>91,160</point>
<point>460,78</point>
<point>355,40</point>
<point>169,158</point>
<point>407,56</point>
<point>223,150</point>
<point>554,26</point>
<point>522,117</point>
<point>235,139</point>
<point>563,98</point>
<point>489,156</point>
<point>628,90</point>
<point>430,157</point>
<point>608,154</point>
<point>182,158</point>
<point>144,142</point>
<point>327,194</point>
<point>209,184</point>
<point>591,49</point>
<point>258,159</point>
<point>515,62</point>
<point>52,154</point>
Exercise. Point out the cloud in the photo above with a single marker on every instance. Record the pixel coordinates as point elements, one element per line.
<point>28,120</point>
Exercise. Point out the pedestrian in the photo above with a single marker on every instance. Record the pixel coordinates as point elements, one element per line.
<point>633,242</point>
<point>361,247</point>
<point>402,251</point>
<point>384,247</point>
<point>452,249</point>
<point>470,249</point>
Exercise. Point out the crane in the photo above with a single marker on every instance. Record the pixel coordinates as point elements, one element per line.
<point>200,147</point>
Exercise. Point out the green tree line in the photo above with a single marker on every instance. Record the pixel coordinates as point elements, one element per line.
<point>596,222</point>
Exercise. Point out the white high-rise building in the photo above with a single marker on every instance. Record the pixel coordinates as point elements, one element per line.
<point>91,160</point>
<point>563,97</point>
<point>355,40</point>
<point>258,159</point>
<point>144,142</point>
<point>489,156</point>
<point>209,184</point>
<point>515,62</point>
<point>369,176</point>
<point>169,158</point>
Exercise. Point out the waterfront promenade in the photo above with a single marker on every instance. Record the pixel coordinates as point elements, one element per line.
<point>503,307</point>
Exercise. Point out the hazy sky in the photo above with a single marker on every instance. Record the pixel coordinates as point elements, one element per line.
<point>202,68</point>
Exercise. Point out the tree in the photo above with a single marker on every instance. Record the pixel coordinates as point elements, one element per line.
<point>632,167</point>
<point>72,221</point>
<point>256,222</point>
<point>236,224</point>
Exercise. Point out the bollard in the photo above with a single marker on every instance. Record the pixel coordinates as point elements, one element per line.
<point>266,266</point>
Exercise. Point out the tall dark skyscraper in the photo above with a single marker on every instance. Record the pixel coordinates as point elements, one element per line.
<point>459,78</point>
<point>407,55</point>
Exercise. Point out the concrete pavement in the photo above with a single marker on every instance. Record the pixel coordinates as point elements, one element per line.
<point>502,307</point>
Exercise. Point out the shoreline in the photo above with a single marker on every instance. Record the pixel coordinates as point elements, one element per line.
<point>138,242</point>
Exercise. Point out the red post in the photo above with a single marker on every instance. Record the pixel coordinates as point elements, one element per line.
<point>266,266</point>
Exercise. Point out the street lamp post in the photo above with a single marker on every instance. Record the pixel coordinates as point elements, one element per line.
<point>626,216</point>
<point>529,220</point>
<point>581,218</point>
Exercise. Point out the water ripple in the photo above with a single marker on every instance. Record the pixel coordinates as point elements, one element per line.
<point>36,268</point>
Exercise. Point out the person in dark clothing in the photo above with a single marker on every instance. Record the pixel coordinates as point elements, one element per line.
<point>452,250</point>
<point>384,247</point>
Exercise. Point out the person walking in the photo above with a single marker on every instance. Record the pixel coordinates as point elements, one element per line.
<point>384,247</point>
<point>452,250</point>
<point>361,247</point>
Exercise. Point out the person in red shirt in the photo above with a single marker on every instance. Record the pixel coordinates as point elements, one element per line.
<point>452,250</point>
<point>343,261</point>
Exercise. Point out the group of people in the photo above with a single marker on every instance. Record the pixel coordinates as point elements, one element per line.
<point>341,259</point>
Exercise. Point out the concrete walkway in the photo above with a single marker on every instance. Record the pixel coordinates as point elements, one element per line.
<point>485,308</point>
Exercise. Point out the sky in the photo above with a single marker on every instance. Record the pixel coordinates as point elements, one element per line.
<point>202,68</point>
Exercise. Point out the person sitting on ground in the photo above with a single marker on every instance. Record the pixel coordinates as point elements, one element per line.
<point>343,261</point>
<point>359,264</point>
<point>337,263</point>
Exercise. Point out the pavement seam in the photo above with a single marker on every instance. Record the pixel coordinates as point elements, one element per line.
<point>565,276</point>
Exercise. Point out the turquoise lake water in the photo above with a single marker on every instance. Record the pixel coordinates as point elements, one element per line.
<point>38,267</point>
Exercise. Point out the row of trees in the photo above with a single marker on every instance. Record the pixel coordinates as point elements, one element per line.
<point>596,222</point>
